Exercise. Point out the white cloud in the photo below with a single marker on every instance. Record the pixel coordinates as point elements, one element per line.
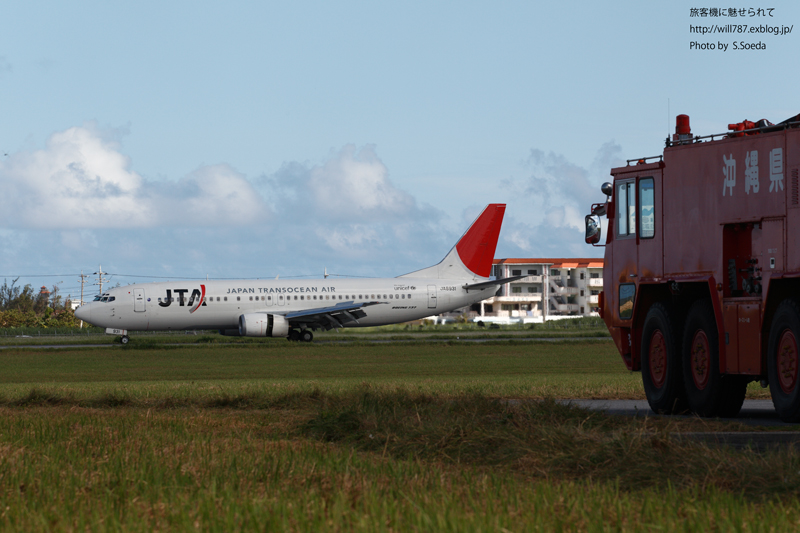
<point>349,205</point>
<point>547,209</point>
<point>81,180</point>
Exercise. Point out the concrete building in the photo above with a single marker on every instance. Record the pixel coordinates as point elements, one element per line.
<point>551,288</point>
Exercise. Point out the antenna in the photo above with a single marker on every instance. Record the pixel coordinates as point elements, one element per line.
<point>668,117</point>
<point>325,273</point>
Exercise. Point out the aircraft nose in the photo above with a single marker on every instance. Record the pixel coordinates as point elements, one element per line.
<point>84,312</point>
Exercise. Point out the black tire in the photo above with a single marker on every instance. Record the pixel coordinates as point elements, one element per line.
<point>734,391</point>
<point>661,361</point>
<point>306,335</point>
<point>706,390</point>
<point>124,339</point>
<point>294,335</point>
<point>782,361</point>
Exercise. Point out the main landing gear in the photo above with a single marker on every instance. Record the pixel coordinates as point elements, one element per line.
<point>124,339</point>
<point>305,335</point>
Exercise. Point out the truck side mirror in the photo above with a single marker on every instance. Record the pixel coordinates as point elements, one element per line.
<point>592,229</point>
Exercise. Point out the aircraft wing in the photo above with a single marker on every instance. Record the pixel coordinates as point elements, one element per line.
<point>330,317</point>
<point>493,283</point>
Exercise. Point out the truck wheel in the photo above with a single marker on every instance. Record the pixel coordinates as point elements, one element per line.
<point>734,389</point>
<point>661,362</point>
<point>783,359</point>
<point>705,389</point>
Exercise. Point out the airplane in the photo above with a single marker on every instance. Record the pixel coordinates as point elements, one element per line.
<point>295,309</point>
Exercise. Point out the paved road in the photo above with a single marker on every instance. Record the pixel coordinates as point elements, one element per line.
<point>754,412</point>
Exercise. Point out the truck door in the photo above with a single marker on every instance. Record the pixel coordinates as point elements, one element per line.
<point>649,232</point>
<point>138,300</point>
<point>625,259</point>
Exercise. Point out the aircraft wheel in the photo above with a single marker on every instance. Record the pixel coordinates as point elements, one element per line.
<point>124,339</point>
<point>294,335</point>
<point>306,335</point>
<point>661,362</point>
<point>709,393</point>
<point>783,358</point>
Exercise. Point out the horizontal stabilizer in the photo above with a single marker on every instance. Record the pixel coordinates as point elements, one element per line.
<point>493,283</point>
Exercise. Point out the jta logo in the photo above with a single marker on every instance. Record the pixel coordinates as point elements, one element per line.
<point>197,294</point>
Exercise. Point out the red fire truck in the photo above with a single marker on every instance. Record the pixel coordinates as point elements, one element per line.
<point>702,271</point>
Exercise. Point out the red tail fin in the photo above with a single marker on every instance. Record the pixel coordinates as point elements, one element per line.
<point>477,246</point>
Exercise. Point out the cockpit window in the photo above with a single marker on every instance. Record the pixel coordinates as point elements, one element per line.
<point>111,298</point>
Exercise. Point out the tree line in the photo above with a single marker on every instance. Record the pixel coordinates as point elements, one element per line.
<point>24,307</point>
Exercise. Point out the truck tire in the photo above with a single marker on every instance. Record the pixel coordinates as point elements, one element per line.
<point>661,362</point>
<point>782,361</point>
<point>734,391</point>
<point>705,389</point>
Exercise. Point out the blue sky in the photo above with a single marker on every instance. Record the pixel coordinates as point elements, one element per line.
<point>255,139</point>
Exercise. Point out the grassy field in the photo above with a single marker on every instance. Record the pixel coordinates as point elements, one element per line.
<point>386,437</point>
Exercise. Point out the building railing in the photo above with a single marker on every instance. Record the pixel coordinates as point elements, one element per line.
<point>595,282</point>
<point>518,297</point>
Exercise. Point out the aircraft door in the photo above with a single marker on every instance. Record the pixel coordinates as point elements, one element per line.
<point>138,300</point>
<point>431,296</point>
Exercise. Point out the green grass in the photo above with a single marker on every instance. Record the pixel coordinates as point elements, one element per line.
<point>386,437</point>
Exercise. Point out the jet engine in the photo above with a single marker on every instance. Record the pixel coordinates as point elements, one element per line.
<point>263,325</point>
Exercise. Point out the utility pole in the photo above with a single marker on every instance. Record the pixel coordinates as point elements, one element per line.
<point>83,281</point>
<point>100,278</point>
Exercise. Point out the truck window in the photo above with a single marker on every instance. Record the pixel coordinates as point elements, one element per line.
<point>626,208</point>
<point>647,225</point>
<point>627,292</point>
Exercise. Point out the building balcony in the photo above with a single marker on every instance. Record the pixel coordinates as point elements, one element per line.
<point>516,298</point>
<point>567,308</point>
<point>595,282</point>
<point>529,279</point>
<point>593,299</point>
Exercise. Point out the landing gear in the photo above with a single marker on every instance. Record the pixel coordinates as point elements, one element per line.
<point>661,362</point>
<point>305,335</point>
<point>783,359</point>
<point>709,393</point>
<point>124,339</point>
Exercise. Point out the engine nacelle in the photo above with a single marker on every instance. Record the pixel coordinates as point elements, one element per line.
<point>263,325</point>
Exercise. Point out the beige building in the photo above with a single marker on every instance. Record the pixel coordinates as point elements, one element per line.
<point>551,288</point>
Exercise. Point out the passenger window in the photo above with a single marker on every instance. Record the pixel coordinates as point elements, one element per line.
<point>238,298</point>
<point>647,226</point>
<point>251,298</point>
<point>226,298</point>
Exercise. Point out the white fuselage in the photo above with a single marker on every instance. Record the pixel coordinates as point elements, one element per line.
<point>177,305</point>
